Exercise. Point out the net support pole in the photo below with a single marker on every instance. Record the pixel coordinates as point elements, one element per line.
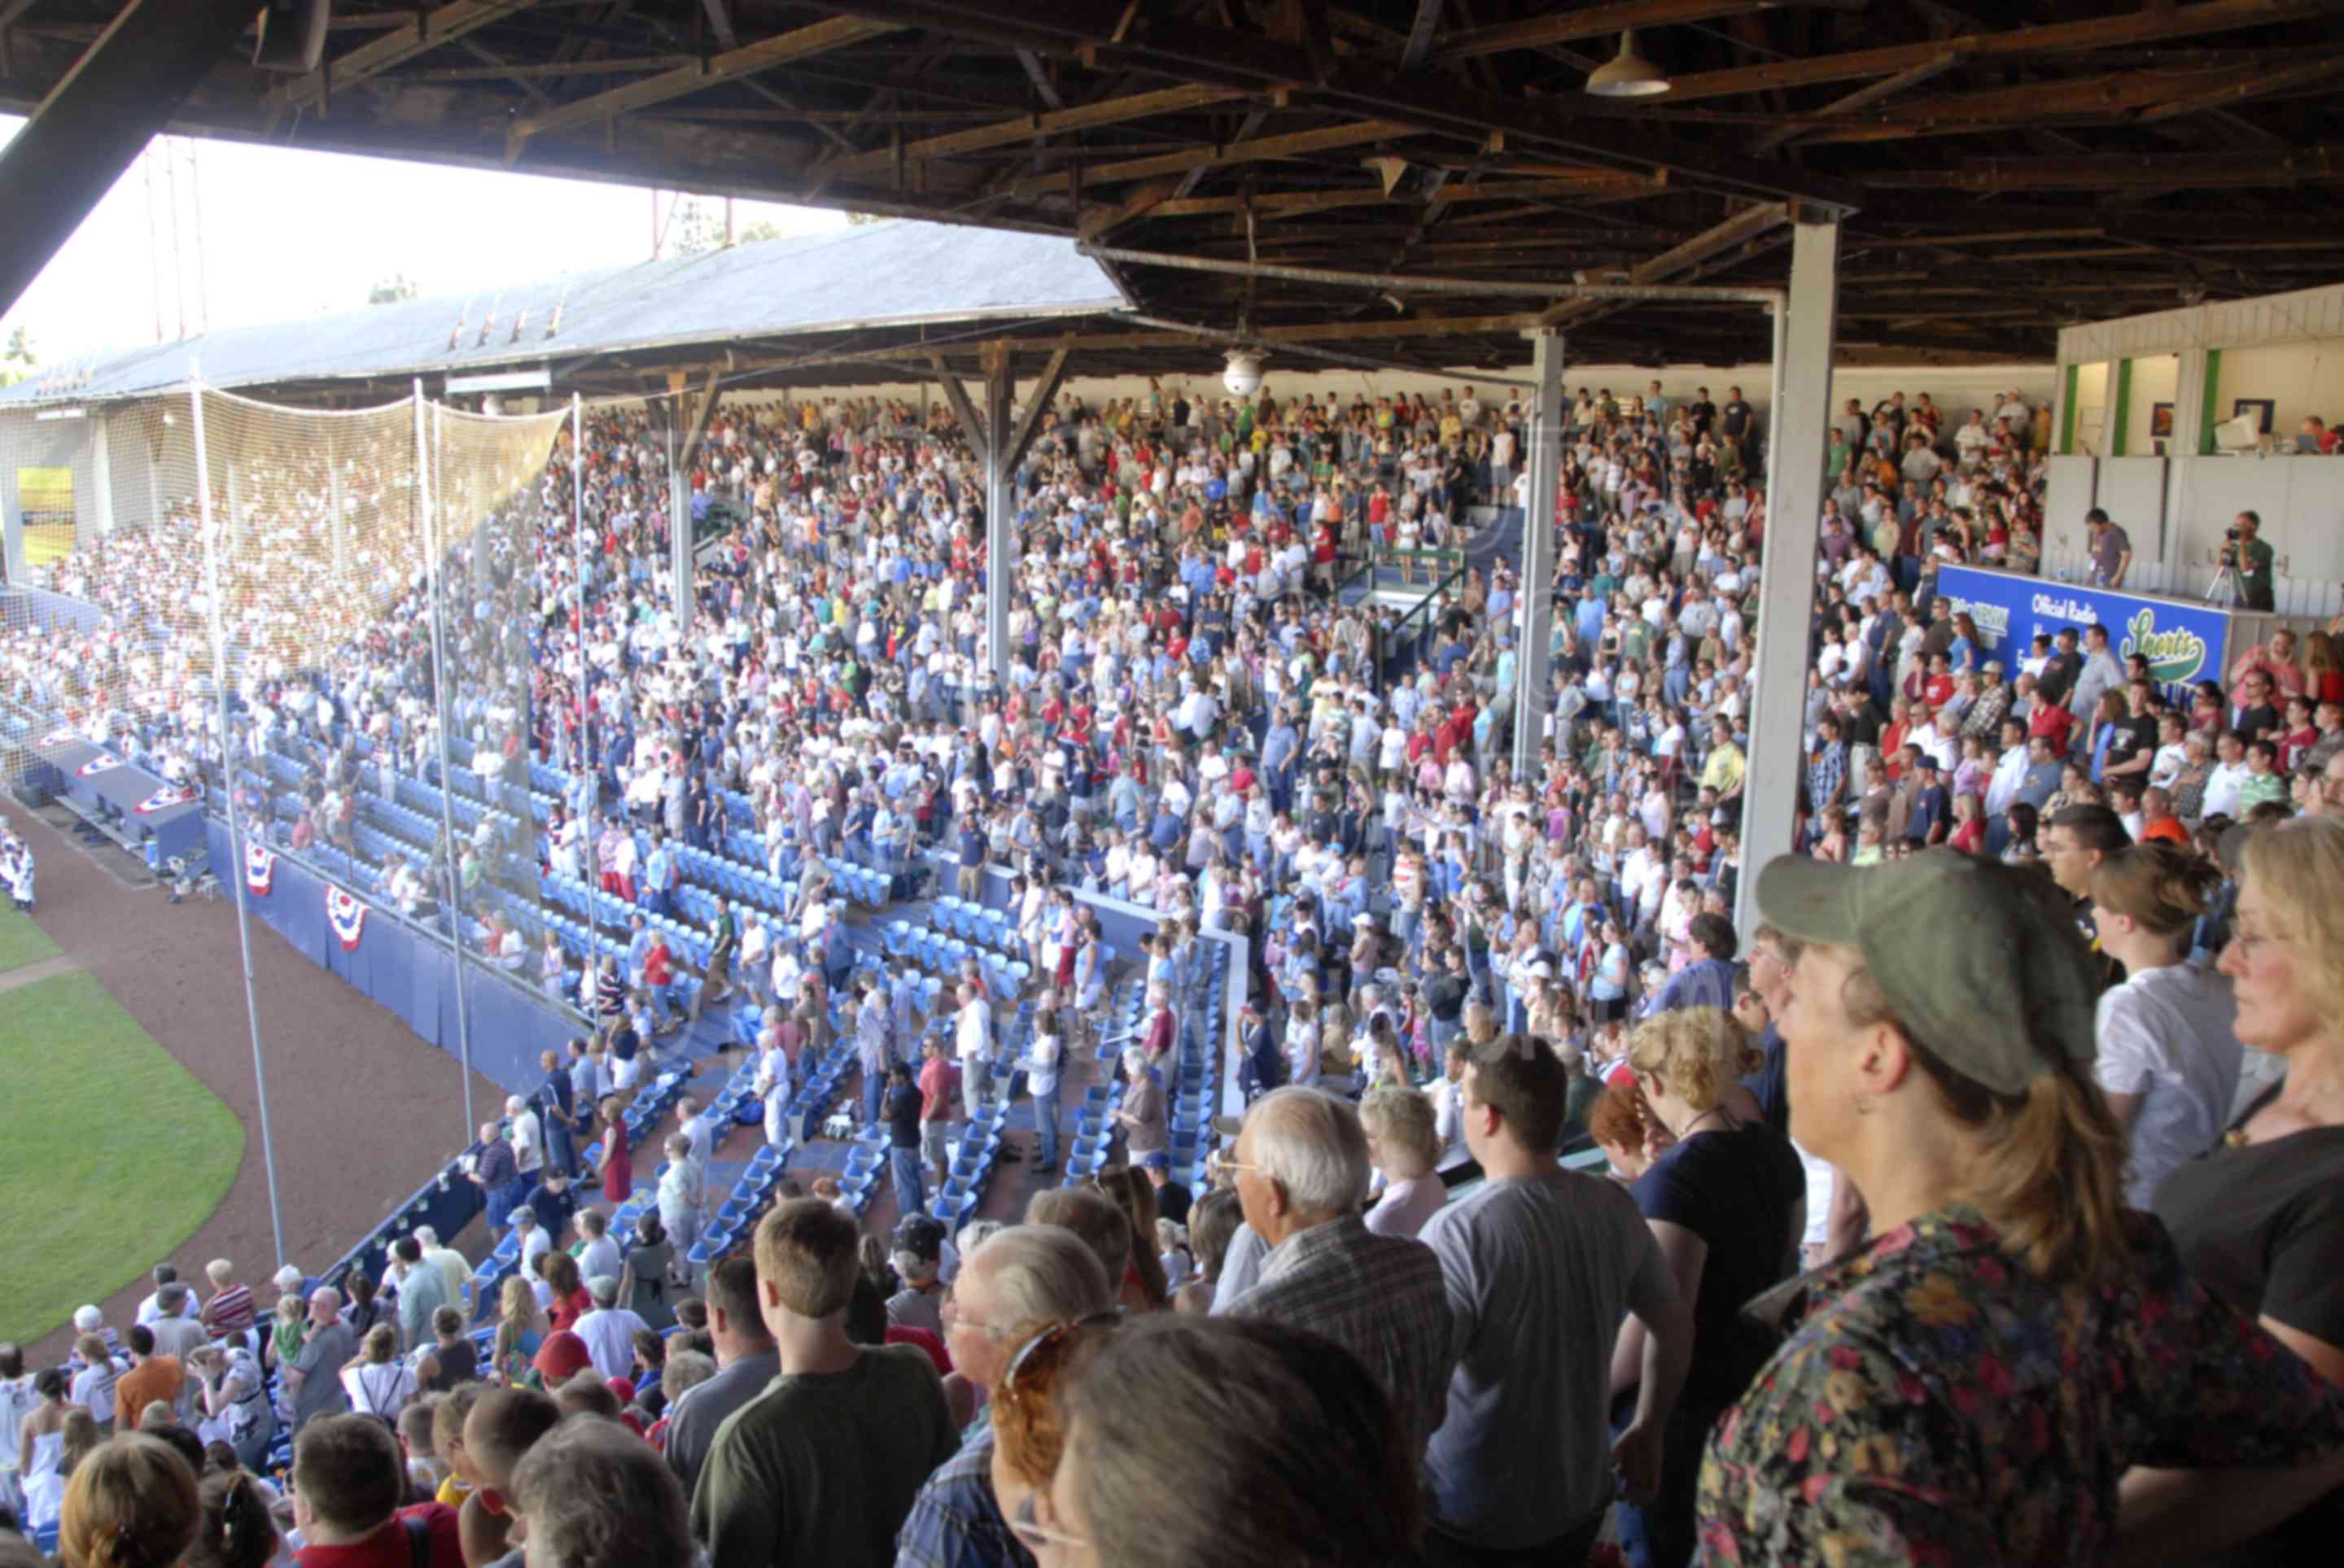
<point>427,493</point>
<point>235,872</point>
<point>678,522</point>
<point>999,534</point>
<point>339,522</point>
<point>1532,697</point>
<point>1786,584</point>
<point>101,473</point>
<point>589,774</point>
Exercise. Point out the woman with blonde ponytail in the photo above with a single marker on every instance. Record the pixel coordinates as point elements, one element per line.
<point>1969,1385</point>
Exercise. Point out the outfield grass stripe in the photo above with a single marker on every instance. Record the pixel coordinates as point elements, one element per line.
<point>114,1155</point>
<point>21,942</point>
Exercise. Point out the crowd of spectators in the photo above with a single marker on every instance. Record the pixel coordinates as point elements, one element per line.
<point>2028,1190</point>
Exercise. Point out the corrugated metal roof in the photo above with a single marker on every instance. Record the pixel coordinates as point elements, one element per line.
<point>2298,317</point>
<point>899,273</point>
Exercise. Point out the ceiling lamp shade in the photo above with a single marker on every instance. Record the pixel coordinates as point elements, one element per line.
<point>1627,75</point>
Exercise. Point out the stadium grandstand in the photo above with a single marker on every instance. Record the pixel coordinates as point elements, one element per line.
<point>1130,901</point>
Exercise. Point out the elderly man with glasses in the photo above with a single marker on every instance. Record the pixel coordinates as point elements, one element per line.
<point>1301,1172</point>
<point>1019,1285</point>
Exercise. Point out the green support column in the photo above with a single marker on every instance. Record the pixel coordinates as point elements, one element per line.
<point>2121,416</point>
<point>2067,412</point>
<point>2207,418</point>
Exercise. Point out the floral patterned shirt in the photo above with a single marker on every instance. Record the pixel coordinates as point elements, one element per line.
<point>1936,1404</point>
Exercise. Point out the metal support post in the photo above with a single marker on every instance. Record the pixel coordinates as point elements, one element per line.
<point>1782,318</point>
<point>1786,591</point>
<point>1532,701</point>
<point>999,533</point>
<point>589,769</point>
<point>116,97</point>
<point>428,489</point>
<point>678,522</point>
<point>2188,412</point>
<point>233,873</point>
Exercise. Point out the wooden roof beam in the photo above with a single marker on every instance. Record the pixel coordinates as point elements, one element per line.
<point>2128,98</point>
<point>2265,84</point>
<point>799,43</point>
<point>1100,33</point>
<point>428,31</point>
<point>2143,26</point>
<point>1274,204</point>
<point>1297,143</point>
<point>1027,127</point>
<point>1563,26</point>
<point>1420,34</point>
<point>2123,171</point>
<point>720,22</point>
<point>1862,98</point>
<point>1739,229</point>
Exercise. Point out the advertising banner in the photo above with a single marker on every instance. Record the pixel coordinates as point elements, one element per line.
<point>2184,643</point>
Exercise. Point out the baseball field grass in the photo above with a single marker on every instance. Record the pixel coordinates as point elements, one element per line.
<point>113,1155</point>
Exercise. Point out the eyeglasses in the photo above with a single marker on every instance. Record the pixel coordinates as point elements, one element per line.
<point>1034,1533</point>
<point>952,1316</point>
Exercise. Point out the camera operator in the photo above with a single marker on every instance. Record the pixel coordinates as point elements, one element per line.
<point>2248,556</point>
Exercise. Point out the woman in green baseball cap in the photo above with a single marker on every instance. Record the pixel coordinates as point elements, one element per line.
<point>1969,1386</point>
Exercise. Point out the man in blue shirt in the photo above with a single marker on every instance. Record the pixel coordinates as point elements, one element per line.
<point>1933,807</point>
<point>660,878</point>
<point>1278,750</point>
<point>970,884</point>
<point>558,1096</point>
<point>639,946</point>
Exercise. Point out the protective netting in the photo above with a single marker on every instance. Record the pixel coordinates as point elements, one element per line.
<point>489,495</point>
<point>375,589</point>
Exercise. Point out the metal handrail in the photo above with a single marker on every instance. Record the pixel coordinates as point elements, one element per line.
<point>1383,553</point>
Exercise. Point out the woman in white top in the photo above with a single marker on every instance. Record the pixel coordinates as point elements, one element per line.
<point>40,1438</point>
<point>772,1087</point>
<point>2168,1059</point>
<point>379,1382</point>
<point>1302,1042</point>
<point>552,966</point>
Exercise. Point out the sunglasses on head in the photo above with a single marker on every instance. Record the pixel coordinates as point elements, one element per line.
<point>1046,1348</point>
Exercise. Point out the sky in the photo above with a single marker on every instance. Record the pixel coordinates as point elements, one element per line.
<point>288,234</point>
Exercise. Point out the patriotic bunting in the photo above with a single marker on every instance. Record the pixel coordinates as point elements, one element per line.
<point>346,916</point>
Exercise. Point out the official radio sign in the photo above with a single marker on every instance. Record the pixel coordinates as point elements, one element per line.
<point>2183,643</point>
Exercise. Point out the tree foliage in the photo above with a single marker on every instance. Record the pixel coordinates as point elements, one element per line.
<point>698,228</point>
<point>396,289</point>
<point>18,361</point>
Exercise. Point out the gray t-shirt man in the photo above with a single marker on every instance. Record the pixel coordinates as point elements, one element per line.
<point>422,1290</point>
<point>1524,1457</point>
<point>320,1363</point>
<point>699,1410</point>
<point>2110,545</point>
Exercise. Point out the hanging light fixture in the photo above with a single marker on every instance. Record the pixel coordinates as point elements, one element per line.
<point>1627,75</point>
